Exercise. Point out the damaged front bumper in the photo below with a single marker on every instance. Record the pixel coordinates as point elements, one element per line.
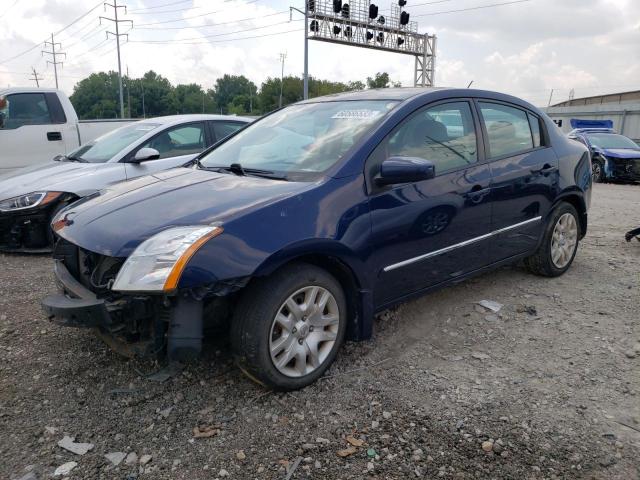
<point>25,232</point>
<point>127,324</point>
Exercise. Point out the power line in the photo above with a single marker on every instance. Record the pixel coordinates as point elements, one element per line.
<point>36,78</point>
<point>471,8</point>
<point>117,34</point>
<point>192,17</point>
<point>214,24</point>
<point>54,56</point>
<point>7,10</point>
<point>181,40</point>
<point>160,6</point>
<point>226,40</point>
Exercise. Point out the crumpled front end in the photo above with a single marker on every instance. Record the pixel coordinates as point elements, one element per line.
<point>627,169</point>
<point>25,232</point>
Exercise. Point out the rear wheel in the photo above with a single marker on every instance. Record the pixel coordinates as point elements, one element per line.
<point>559,244</point>
<point>288,328</point>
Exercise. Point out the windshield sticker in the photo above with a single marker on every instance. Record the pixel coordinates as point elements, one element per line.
<point>363,114</point>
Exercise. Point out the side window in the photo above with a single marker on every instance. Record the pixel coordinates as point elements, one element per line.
<point>534,123</point>
<point>223,129</point>
<point>508,129</point>
<point>444,134</point>
<point>22,109</point>
<point>176,141</point>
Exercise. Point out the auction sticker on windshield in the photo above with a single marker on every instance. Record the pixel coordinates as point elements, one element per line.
<point>362,114</point>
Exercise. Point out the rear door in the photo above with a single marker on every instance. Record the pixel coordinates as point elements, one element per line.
<point>31,130</point>
<point>431,231</point>
<point>177,145</point>
<point>525,176</point>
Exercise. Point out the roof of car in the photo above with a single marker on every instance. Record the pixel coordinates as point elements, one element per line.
<point>175,119</point>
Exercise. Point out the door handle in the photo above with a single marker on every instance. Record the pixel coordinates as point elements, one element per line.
<point>54,136</point>
<point>477,193</point>
<point>545,169</point>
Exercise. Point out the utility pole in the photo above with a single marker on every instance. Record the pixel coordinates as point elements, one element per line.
<point>35,78</point>
<point>128,92</point>
<point>54,56</point>
<point>282,57</point>
<point>550,97</point>
<point>144,113</point>
<point>305,93</point>
<point>117,34</point>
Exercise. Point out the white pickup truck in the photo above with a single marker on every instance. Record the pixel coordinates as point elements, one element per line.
<point>36,124</point>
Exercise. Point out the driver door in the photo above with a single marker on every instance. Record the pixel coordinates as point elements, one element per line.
<point>428,232</point>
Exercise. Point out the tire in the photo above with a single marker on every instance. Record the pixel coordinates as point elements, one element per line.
<point>542,262</point>
<point>255,333</point>
<point>597,171</point>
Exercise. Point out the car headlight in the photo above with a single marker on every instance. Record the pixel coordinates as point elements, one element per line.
<point>158,262</point>
<point>30,200</point>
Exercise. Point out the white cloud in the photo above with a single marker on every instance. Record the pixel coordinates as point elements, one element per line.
<point>525,49</point>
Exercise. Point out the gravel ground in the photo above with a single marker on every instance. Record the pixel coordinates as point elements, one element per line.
<point>549,387</point>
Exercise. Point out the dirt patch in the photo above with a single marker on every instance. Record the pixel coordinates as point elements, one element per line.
<point>548,387</point>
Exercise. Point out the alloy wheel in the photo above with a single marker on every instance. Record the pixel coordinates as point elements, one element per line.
<point>564,240</point>
<point>304,331</point>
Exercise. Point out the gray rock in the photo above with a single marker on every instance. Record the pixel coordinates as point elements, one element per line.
<point>115,458</point>
<point>480,356</point>
<point>64,469</point>
<point>78,448</point>
<point>131,459</point>
<point>144,459</point>
<point>29,476</point>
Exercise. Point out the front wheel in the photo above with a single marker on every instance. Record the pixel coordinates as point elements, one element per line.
<point>287,328</point>
<point>559,243</point>
<point>597,171</point>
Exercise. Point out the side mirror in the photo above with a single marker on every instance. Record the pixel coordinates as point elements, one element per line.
<point>145,154</point>
<point>405,170</point>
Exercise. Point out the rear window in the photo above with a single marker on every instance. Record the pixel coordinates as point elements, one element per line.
<point>508,129</point>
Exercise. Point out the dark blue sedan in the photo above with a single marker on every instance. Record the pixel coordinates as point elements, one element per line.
<point>299,228</point>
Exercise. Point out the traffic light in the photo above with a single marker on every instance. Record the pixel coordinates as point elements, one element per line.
<point>381,20</point>
<point>380,37</point>
<point>336,30</point>
<point>311,5</point>
<point>400,41</point>
<point>373,11</point>
<point>337,6</point>
<point>345,10</point>
<point>314,27</point>
<point>347,32</point>
<point>369,35</point>
<point>402,3</point>
<point>404,18</point>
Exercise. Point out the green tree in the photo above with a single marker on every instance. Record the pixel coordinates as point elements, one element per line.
<point>190,98</point>
<point>381,80</point>
<point>97,96</point>
<point>229,87</point>
<point>157,94</point>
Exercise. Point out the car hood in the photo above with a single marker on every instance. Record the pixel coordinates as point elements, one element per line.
<point>52,176</point>
<point>621,152</point>
<point>115,221</point>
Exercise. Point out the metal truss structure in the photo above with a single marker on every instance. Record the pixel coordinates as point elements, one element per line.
<point>353,25</point>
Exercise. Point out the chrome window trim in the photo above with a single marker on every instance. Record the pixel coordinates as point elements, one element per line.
<point>458,245</point>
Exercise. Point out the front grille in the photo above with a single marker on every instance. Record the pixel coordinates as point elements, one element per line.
<point>96,272</point>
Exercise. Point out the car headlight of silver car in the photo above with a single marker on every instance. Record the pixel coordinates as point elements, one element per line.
<point>158,262</point>
<point>29,200</point>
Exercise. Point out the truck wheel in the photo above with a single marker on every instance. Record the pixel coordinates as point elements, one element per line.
<point>287,328</point>
<point>597,171</point>
<point>559,243</point>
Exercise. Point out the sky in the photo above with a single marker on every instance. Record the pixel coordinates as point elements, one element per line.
<point>528,48</point>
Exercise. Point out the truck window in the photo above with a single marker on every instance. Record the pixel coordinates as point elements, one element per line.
<point>25,109</point>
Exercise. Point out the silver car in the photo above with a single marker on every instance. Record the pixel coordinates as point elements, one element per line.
<point>31,196</point>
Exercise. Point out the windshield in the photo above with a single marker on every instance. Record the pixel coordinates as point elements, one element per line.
<point>609,140</point>
<point>300,139</point>
<point>105,147</point>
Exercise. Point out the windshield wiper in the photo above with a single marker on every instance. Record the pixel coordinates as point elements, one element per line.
<point>241,171</point>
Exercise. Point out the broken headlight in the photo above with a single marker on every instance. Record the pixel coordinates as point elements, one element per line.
<point>30,200</point>
<point>158,262</point>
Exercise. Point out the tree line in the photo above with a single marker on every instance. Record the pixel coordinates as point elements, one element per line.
<point>153,95</point>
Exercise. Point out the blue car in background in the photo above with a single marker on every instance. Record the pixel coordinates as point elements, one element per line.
<point>299,228</point>
<point>614,157</point>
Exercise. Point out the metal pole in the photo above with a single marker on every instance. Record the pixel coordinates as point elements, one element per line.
<point>55,63</point>
<point>128,93</point>
<point>306,50</point>
<point>282,57</point>
<point>550,97</point>
<point>144,114</point>
<point>115,3</point>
